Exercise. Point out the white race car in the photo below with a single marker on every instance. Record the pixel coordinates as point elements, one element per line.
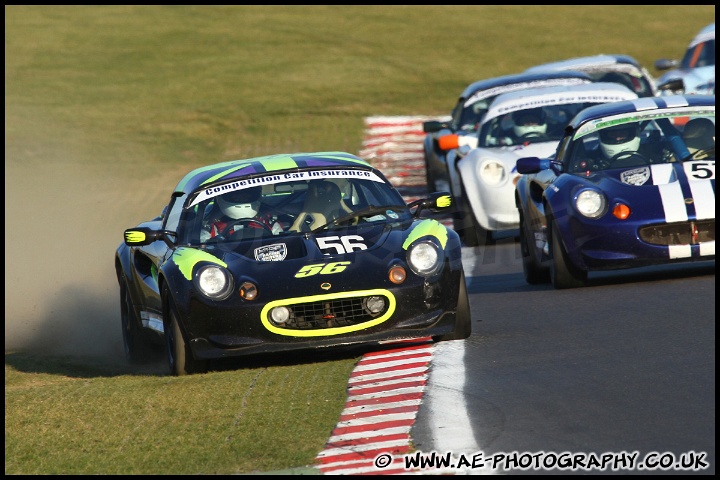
<point>524,123</point>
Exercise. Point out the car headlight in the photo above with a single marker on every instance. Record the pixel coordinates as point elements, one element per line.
<point>425,258</point>
<point>492,172</point>
<point>591,203</point>
<point>214,282</point>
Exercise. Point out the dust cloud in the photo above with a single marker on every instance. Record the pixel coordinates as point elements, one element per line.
<point>63,223</point>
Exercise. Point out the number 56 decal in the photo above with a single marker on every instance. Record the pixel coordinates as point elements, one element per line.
<point>345,245</point>
<point>321,268</point>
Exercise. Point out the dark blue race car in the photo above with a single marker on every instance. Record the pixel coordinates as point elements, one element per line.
<point>631,184</point>
<point>333,256</point>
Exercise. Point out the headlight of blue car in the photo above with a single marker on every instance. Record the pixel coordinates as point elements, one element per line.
<point>591,203</point>
<point>425,258</point>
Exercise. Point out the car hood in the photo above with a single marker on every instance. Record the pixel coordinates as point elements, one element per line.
<point>381,239</point>
<point>649,175</point>
<point>665,191</point>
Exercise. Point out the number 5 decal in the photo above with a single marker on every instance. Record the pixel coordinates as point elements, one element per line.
<point>346,244</point>
<point>321,268</point>
<point>703,170</point>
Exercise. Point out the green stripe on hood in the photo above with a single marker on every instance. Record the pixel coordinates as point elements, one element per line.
<point>186,258</point>
<point>427,227</point>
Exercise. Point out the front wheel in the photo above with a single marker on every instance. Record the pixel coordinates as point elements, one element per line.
<point>180,358</point>
<point>533,271</point>
<point>136,348</point>
<point>563,273</point>
<point>463,318</point>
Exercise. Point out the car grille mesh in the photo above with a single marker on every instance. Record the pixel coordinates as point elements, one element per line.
<point>682,233</point>
<point>330,314</point>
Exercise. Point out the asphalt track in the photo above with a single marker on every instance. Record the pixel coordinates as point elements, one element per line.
<point>625,366</point>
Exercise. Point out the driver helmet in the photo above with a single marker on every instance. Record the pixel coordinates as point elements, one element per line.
<point>699,134</point>
<point>529,121</point>
<point>243,203</point>
<point>619,139</point>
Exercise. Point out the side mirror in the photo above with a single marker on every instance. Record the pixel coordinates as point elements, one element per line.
<point>432,126</point>
<point>439,201</point>
<point>454,141</point>
<point>665,64</point>
<point>141,236</point>
<point>436,202</point>
<point>532,165</point>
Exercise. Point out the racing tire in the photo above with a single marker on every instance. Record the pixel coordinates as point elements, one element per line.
<point>563,274</point>
<point>533,272</point>
<point>463,317</point>
<point>470,232</point>
<point>135,346</point>
<point>180,358</point>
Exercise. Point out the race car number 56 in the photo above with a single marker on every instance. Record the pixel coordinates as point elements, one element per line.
<point>321,268</point>
<point>347,243</point>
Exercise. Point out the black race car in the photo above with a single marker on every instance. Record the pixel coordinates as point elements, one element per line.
<point>338,258</point>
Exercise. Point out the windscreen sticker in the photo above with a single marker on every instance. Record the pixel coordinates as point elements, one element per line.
<point>551,82</point>
<point>280,178</point>
<point>702,37</point>
<point>634,117</point>
<point>563,98</point>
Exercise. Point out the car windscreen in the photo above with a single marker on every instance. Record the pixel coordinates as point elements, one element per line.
<point>287,205</point>
<point>506,130</point>
<point>635,140</point>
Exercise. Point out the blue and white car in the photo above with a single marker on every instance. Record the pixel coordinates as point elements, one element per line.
<point>483,180</point>
<point>652,203</point>
<point>622,69</point>
<point>695,73</point>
